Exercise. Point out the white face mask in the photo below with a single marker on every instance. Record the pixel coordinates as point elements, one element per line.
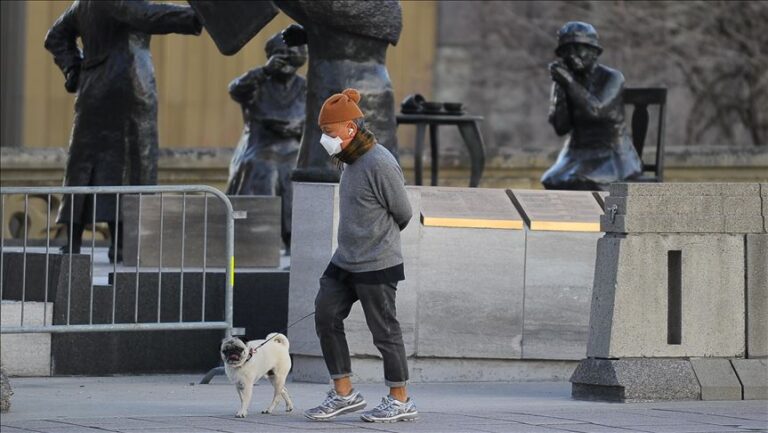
<point>332,145</point>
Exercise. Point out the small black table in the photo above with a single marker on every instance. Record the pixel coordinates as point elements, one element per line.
<point>470,132</point>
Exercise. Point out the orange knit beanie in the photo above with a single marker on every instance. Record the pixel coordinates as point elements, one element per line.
<point>340,107</point>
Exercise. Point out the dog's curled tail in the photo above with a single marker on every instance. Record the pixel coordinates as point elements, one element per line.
<point>278,338</point>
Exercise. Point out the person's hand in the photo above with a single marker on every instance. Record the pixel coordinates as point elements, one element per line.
<point>294,35</point>
<point>560,74</point>
<point>274,64</point>
<point>72,79</point>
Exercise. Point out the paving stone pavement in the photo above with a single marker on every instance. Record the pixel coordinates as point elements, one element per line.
<point>177,404</point>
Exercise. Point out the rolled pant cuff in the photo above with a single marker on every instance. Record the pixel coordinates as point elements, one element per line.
<point>340,375</point>
<point>391,384</point>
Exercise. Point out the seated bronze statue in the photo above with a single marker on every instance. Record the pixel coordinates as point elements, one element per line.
<point>273,100</point>
<point>586,103</point>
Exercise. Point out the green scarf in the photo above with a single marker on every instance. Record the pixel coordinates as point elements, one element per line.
<point>363,141</point>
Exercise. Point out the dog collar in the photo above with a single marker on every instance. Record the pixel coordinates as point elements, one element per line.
<point>250,355</point>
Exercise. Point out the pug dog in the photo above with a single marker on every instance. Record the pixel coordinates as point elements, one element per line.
<point>247,363</point>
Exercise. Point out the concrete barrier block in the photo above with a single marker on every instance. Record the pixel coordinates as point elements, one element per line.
<point>717,379</point>
<point>604,290</point>
<point>681,189</point>
<point>311,369</point>
<point>441,370</point>
<point>753,374</point>
<point>26,354</point>
<point>684,208</point>
<point>570,211</point>
<point>435,370</point>
<point>471,294</point>
<point>634,380</point>
<point>757,295</point>
<point>559,272</point>
<point>5,391</point>
<point>431,370</point>
<point>469,208</point>
<point>682,223</point>
<point>315,225</point>
<point>645,305</point>
<point>764,199</point>
<point>600,196</point>
<point>358,336</point>
<point>313,240</point>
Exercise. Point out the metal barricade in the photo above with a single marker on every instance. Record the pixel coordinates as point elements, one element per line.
<point>118,192</point>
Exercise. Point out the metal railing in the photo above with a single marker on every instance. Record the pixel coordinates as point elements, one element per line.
<point>117,192</point>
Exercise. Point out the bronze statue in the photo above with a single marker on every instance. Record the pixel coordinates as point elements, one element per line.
<point>587,103</point>
<point>347,43</point>
<point>114,135</point>
<point>273,104</point>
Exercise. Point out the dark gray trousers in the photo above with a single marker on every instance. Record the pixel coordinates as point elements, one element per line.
<point>333,304</point>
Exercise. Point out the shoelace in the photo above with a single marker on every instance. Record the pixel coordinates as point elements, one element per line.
<point>386,404</point>
<point>328,402</point>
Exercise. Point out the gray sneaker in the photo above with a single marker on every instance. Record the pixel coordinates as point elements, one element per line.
<point>391,410</point>
<point>335,405</point>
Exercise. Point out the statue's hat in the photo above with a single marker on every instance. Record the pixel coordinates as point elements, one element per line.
<point>577,32</point>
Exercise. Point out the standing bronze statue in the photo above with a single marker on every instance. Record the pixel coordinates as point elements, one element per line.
<point>587,104</point>
<point>347,43</point>
<point>114,135</point>
<point>273,100</point>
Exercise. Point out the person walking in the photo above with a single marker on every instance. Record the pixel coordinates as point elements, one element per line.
<point>367,264</point>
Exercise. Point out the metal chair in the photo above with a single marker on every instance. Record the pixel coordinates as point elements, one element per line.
<point>640,99</point>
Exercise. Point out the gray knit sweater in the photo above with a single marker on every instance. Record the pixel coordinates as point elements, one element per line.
<point>373,208</point>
